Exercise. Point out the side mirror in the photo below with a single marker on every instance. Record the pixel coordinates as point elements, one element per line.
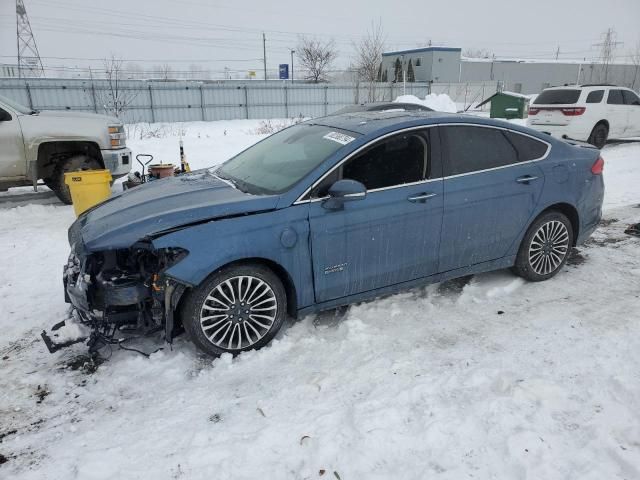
<point>342,191</point>
<point>4,116</point>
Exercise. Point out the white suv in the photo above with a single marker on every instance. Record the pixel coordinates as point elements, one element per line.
<point>591,113</point>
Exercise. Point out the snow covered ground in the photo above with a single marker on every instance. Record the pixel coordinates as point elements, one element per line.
<point>489,378</point>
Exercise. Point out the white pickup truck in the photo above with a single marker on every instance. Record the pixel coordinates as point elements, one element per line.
<point>43,145</point>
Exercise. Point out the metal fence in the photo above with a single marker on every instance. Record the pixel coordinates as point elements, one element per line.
<point>181,101</point>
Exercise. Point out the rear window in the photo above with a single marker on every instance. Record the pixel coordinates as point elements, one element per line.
<point>527,148</point>
<point>471,149</point>
<point>562,96</point>
<point>595,96</point>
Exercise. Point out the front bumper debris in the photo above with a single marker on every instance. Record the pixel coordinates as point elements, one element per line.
<point>117,296</point>
<point>64,334</point>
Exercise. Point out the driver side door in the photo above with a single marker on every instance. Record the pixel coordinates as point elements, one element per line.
<point>13,165</point>
<point>390,236</point>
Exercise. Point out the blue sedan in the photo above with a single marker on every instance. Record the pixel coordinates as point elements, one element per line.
<point>326,213</point>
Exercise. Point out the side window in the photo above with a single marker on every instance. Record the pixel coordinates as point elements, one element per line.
<point>469,149</point>
<point>4,116</point>
<point>527,148</point>
<point>615,97</point>
<point>397,160</point>
<point>630,98</point>
<point>595,96</point>
<point>322,189</point>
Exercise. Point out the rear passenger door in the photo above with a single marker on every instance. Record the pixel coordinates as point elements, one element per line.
<point>617,113</point>
<point>492,185</point>
<point>632,105</point>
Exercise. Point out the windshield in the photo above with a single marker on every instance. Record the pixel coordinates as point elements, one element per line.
<point>280,161</point>
<point>16,106</point>
<point>562,96</point>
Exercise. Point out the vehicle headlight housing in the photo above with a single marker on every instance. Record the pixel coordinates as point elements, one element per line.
<point>117,136</point>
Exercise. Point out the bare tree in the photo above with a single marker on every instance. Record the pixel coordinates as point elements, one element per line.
<point>114,98</point>
<point>369,58</point>
<point>166,72</point>
<point>316,57</point>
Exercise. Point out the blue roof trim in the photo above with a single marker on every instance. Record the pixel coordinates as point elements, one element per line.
<point>426,49</point>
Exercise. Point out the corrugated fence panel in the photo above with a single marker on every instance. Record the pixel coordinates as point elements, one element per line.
<point>224,102</point>
<point>267,102</point>
<point>181,101</point>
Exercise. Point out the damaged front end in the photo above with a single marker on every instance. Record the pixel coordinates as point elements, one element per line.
<point>120,293</point>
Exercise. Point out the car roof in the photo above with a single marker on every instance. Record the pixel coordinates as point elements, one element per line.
<point>595,86</point>
<point>373,106</point>
<point>379,122</point>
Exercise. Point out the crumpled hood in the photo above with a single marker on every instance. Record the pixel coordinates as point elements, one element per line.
<point>161,205</point>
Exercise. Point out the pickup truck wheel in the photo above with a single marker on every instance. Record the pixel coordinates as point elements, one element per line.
<point>71,164</point>
<point>237,308</point>
<point>599,134</point>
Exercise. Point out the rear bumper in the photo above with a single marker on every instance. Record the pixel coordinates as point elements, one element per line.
<point>118,162</point>
<point>560,131</point>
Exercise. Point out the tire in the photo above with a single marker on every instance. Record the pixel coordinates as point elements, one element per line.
<point>539,260</point>
<point>217,314</point>
<point>599,135</point>
<point>71,164</point>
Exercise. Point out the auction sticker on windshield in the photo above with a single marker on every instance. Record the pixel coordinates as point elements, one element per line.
<point>339,137</point>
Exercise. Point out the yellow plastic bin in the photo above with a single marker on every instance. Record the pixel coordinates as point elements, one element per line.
<point>88,188</point>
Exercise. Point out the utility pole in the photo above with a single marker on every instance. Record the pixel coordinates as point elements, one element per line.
<point>28,57</point>
<point>404,78</point>
<point>292,52</point>
<point>607,49</point>
<point>264,55</point>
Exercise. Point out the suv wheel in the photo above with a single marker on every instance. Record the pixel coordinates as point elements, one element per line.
<point>236,309</point>
<point>545,247</point>
<point>71,164</point>
<point>599,134</point>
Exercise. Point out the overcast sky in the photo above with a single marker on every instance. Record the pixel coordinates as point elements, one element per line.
<point>217,34</point>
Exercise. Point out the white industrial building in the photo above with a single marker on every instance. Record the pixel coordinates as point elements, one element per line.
<point>446,64</point>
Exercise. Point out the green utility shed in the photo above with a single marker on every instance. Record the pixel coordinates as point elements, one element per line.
<point>508,105</point>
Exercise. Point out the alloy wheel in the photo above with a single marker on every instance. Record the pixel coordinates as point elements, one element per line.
<point>238,312</point>
<point>549,247</point>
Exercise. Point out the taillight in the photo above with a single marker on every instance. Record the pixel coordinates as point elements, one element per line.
<point>598,166</point>
<point>533,111</point>
<point>573,111</point>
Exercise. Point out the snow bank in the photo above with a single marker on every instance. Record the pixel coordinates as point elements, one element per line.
<point>439,102</point>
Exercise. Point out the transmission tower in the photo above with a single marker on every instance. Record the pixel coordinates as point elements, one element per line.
<point>607,51</point>
<point>29,63</point>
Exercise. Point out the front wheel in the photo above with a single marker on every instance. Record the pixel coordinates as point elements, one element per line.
<point>237,308</point>
<point>545,247</point>
<point>71,164</point>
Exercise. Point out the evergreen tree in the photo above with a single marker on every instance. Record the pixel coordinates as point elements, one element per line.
<point>411,77</point>
<point>398,72</point>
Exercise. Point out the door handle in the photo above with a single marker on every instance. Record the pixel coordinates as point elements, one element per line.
<point>421,197</point>
<point>526,179</point>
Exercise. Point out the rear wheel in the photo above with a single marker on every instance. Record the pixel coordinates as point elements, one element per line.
<point>545,247</point>
<point>71,164</point>
<point>237,308</point>
<point>599,134</point>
